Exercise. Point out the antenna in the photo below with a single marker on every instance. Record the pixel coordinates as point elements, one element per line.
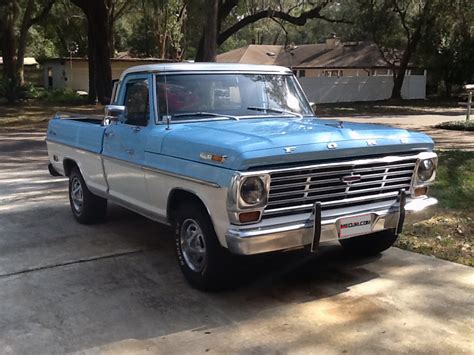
<point>167,108</point>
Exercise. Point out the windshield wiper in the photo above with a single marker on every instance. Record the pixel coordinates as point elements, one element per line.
<point>274,110</point>
<point>207,114</point>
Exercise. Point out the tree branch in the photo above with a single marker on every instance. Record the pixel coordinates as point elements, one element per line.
<point>269,13</point>
<point>226,7</point>
<point>117,14</point>
<point>42,15</point>
<point>283,29</point>
<point>402,15</point>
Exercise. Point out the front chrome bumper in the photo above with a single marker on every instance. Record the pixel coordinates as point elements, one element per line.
<point>247,241</point>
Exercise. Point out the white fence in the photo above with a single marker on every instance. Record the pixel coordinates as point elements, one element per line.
<point>351,89</point>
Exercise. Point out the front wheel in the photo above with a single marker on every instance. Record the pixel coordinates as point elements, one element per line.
<point>203,261</point>
<point>370,244</point>
<point>86,207</point>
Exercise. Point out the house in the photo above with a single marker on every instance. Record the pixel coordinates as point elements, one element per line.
<point>332,58</point>
<point>62,73</point>
<point>334,71</point>
<point>31,68</point>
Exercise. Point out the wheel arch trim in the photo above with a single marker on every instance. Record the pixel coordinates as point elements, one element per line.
<point>181,190</point>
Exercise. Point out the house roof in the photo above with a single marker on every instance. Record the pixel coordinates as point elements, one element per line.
<point>319,55</point>
<point>116,59</point>
<point>27,61</point>
<point>346,55</point>
<point>252,54</point>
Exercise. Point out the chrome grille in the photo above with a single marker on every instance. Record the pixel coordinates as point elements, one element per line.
<point>295,190</point>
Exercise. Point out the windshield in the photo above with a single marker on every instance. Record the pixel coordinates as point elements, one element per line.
<point>203,96</point>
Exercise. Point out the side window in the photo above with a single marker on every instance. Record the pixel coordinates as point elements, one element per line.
<point>137,103</point>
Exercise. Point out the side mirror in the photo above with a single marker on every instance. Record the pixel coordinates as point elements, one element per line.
<point>113,113</point>
<point>313,107</point>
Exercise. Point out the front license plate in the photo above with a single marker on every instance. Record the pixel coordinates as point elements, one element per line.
<point>352,226</point>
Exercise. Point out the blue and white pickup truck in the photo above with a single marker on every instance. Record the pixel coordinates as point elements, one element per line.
<point>234,159</point>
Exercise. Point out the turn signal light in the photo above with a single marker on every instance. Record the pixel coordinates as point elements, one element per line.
<point>421,191</point>
<point>247,217</point>
<point>218,158</point>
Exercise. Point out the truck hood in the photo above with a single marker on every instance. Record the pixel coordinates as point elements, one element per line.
<point>257,142</point>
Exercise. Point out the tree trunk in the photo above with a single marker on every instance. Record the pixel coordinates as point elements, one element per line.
<point>397,84</point>
<point>92,95</point>
<point>8,52</point>
<point>448,85</point>
<point>100,70</point>
<point>208,51</point>
<point>399,77</point>
<point>103,67</point>
<point>9,44</point>
<point>200,50</point>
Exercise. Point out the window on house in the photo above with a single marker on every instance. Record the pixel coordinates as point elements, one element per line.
<point>50,78</point>
<point>302,73</point>
<point>334,73</point>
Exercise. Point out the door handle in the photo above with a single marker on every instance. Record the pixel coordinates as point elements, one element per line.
<point>130,151</point>
<point>52,132</point>
<point>109,134</point>
<point>136,129</point>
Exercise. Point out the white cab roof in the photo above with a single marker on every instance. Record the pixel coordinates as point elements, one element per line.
<point>205,67</point>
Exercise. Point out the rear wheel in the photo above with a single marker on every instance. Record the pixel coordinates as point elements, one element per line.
<point>86,207</point>
<point>203,261</point>
<point>370,244</point>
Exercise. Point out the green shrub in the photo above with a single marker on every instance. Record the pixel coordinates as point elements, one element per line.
<point>11,91</point>
<point>60,96</point>
<point>457,125</point>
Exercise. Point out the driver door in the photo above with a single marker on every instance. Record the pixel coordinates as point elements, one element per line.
<point>125,142</point>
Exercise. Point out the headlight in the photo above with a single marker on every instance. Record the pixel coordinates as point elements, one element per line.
<point>426,169</point>
<point>252,190</point>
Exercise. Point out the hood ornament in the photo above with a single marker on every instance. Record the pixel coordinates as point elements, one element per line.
<point>332,145</point>
<point>289,149</point>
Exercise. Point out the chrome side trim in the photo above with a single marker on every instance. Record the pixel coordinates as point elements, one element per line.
<point>187,178</point>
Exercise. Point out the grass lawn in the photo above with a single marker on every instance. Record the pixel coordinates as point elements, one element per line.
<point>449,234</point>
<point>35,114</point>
<point>388,107</point>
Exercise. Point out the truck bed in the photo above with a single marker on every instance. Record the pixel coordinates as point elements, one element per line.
<point>79,131</point>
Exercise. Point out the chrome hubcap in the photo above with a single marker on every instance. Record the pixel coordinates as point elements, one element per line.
<point>193,245</point>
<point>77,195</point>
